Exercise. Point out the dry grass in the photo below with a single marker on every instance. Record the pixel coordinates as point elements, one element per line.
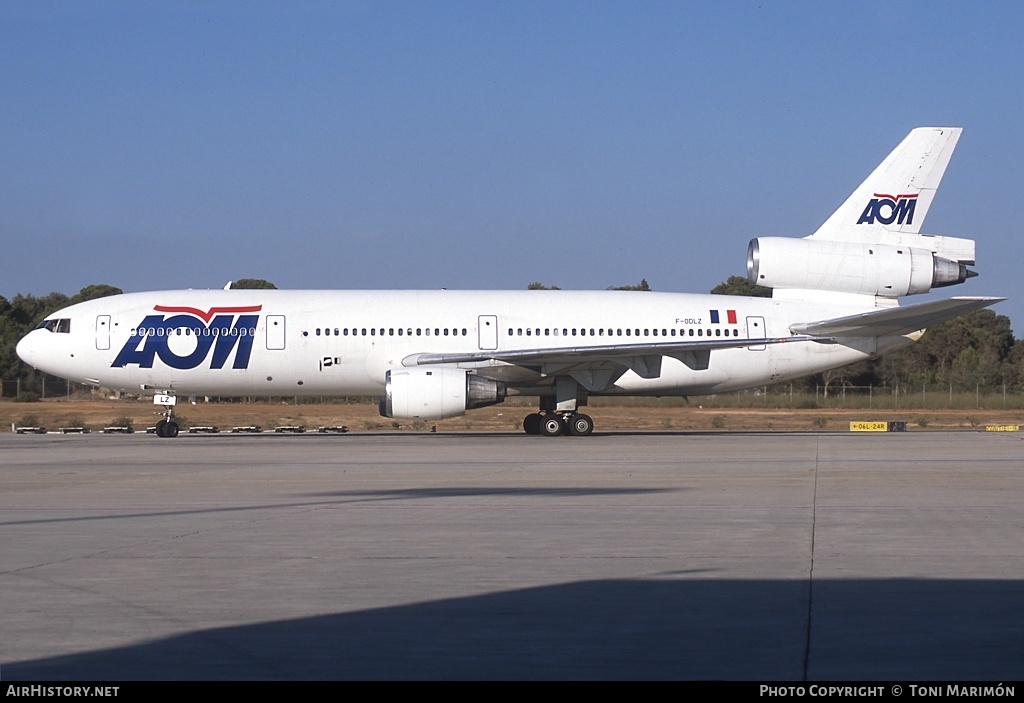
<point>507,417</point>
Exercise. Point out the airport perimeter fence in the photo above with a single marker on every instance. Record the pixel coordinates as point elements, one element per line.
<point>847,397</point>
<point>39,388</point>
<point>784,396</point>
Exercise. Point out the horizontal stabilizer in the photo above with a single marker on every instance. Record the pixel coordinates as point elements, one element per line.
<point>894,321</point>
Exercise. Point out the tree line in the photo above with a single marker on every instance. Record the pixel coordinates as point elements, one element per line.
<point>977,350</point>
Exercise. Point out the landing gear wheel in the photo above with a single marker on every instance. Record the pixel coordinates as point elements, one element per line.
<point>161,428</point>
<point>552,425</point>
<point>171,430</point>
<point>531,423</point>
<point>580,425</point>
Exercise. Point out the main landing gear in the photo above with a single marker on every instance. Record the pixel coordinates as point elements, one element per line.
<point>553,424</point>
<point>559,411</point>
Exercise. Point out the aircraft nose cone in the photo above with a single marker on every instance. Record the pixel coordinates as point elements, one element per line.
<point>28,349</point>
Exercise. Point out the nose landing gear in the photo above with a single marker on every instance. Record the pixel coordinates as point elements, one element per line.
<point>166,427</point>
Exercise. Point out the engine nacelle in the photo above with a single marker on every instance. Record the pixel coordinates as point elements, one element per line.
<point>436,393</point>
<point>849,267</point>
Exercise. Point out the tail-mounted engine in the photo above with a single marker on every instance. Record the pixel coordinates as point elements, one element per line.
<point>885,270</point>
<point>436,393</point>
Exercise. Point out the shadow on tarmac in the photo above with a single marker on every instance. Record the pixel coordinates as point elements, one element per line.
<point>671,628</point>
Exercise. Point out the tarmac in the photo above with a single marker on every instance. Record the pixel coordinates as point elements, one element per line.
<point>740,556</point>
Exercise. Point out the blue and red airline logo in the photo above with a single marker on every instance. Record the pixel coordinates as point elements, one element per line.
<point>730,316</point>
<point>889,208</point>
<point>195,333</point>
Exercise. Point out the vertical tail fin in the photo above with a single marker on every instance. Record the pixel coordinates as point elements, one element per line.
<point>897,195</point>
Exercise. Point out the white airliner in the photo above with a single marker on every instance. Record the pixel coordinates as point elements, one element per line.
<point>435,354</point>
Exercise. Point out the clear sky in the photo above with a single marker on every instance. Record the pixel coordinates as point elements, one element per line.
<point>429,144</point>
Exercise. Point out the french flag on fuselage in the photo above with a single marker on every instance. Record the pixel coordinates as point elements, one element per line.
<point>730,316</point>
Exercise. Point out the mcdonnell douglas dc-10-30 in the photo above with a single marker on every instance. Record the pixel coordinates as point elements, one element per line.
<point>436,354</point>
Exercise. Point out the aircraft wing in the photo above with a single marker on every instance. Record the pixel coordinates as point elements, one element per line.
<point>893,321</point>
<point>603,352</point>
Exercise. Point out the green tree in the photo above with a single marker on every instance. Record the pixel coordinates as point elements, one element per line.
<point>974,349</point>
<point>738,285</point>
<point>252,284</point>
<point>642,285</point>
<point>92,292</point>
<point>537,285</point>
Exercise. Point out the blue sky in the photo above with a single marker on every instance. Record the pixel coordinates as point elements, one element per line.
<point>156,145</point>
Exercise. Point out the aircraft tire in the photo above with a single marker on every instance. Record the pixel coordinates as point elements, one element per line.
<point>171,430</point>
<point>552,425</point>
<point>581,425</point>
<point>161,428</point>
<point>531,423</point>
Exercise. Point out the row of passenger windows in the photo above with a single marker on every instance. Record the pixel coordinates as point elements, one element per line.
<point>197,331</point>
<point>521,332</point>
<point>619,332</point>
<point>390,332</point>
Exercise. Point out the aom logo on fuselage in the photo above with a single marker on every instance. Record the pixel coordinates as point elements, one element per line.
<point>889,208</point>
<point>184,339</point>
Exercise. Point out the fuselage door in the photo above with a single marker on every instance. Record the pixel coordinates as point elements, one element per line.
<point>275,332</point>
<point>103,332</point>
<point>487,331</point>
<point>755,330</point>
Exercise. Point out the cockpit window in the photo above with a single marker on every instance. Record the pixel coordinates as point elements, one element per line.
<point>62,325</point>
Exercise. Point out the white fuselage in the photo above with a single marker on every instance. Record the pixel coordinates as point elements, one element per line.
<point>260,342</point>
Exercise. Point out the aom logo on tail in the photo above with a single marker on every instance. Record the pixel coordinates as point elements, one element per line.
<point>185,339</point>
<point>889,208</point>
